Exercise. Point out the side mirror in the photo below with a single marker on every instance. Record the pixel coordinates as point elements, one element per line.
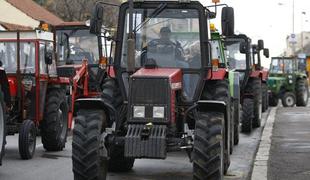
<point>48,57</point>
<point>260,45</point>
<point>243,47</point>
<point>96,20</point>
<point>228,21</point>
<point>266,53</point>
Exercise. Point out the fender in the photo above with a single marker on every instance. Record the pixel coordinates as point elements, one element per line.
<point>96,103</point>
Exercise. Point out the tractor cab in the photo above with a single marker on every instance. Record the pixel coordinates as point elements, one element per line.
<point>28,57</point>
<point>37,92</point>
<point>74,43</point>
<point>168,36</point>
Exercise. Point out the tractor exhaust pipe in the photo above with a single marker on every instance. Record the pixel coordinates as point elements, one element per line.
<point>131,41</point>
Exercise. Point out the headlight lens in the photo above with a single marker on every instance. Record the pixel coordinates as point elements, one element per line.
<point>290,81</point>
<point>139,111</point>
<point>158,112</point>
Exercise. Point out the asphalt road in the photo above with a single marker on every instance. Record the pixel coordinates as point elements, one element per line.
<point>57,165</point>
<point>289,157</point>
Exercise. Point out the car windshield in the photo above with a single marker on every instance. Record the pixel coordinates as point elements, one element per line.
<point>169,38</point>
<point>279,66</point>
<point>236,59</point>
<point>8,57</point>
<point>80,43</point>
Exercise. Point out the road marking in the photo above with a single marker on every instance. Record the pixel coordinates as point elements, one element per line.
<point>261,161</point>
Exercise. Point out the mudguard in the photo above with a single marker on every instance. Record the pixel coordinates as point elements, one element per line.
<point>96,103</point>
<point>209,105</point>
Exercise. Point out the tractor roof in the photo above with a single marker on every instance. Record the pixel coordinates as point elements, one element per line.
<point>26,35</point>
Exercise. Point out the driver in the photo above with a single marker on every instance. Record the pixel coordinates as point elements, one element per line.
<point>165,38</point>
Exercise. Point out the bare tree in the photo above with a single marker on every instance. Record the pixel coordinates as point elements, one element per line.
<point>80,10</point>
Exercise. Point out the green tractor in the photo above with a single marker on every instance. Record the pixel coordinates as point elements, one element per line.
<point>287,82</point>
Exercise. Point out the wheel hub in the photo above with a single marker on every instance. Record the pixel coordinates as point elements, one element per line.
<point>289,101</point>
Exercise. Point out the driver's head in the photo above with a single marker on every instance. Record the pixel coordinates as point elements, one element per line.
<point>165,33</point>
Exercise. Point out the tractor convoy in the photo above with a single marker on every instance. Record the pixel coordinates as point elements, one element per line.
<point>167,80</point>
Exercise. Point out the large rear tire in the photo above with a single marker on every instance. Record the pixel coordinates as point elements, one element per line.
<point>302,92</point>
<point>257,90</point>
<point>2,131</point>
<point>27,139</point>
<point>273,101</point>
<point>247,115</point>
<point>54,126</point>
<point>87,147</point>
<point>208,146</point>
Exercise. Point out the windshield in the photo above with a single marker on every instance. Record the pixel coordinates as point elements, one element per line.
<point>236,59</point>
<point>170,38</point>
<point>8,57</point>
<point>280,66</point>
<point>82,45</point>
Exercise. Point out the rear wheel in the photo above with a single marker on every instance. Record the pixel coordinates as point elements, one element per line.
<point>54,126</point>
<point>302,92</point>
<point>289,99</point>
<point>247,115</point>
<point>2,131</point>
<point>89,154</point>
<point>27,139</point>
<point>208,146</point>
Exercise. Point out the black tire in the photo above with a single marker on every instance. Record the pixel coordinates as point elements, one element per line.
<point>247,115</point>
<point>2,131</point>
<point>111,93</point>
<point>208,146</point>
<point>27,139</point>
<point>288,99</point>
<point>118,162</point>
<point>54,126</point>
<point>264,97</point>
<point>87,148</point>
<point>302,92</point>
<point>255,87</point>
<point>237,122</point>
<point>273,101</point>
<point>219,91</point>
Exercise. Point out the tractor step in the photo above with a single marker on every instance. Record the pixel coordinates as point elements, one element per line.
<point>140,145</point>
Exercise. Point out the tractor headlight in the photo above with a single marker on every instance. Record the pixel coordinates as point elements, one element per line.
<point>290,76</point>
<point>158,112</point>
<point>290,81</point>
<point>139,111</point>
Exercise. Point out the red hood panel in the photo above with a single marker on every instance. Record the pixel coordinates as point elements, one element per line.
<point>175,75</point>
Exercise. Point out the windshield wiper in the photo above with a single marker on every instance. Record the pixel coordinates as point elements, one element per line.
<point>155,13</point>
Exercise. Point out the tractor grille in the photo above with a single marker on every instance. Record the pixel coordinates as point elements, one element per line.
<point>149,91</point>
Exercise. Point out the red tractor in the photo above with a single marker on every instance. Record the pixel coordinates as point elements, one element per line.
<point>168,94</point>
<point>2,126</point>
<point>80,60</point>
<point>37,94</point>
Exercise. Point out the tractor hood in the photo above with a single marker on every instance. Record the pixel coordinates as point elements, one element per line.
<point>174,75</point>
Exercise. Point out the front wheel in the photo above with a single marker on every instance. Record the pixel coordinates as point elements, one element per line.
<point>264,97</point>
<point>89,154</point>
<point>27,139</point>
<point>208,151</point>
<point>289,99</point>
<point>273,101</point>
<point>247,115</point>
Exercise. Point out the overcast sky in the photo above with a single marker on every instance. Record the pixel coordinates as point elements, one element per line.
<point>270,20</point>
